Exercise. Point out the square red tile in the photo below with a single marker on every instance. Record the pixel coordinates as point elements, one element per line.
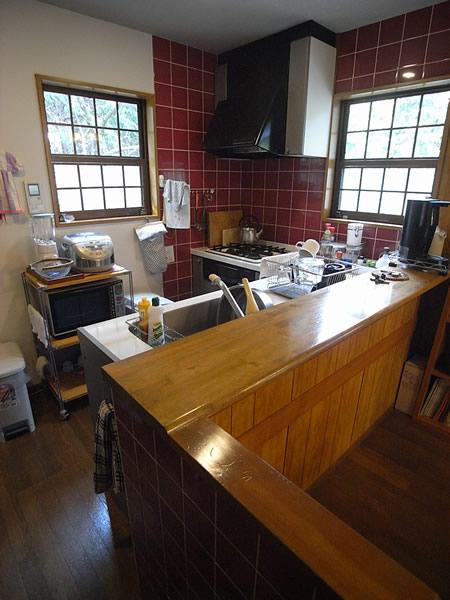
<point>179,75</point>
<point>417,22</point>
<point>165,159</point>
<point>270,198</point>
<point>344,66</point>
<point>161,48</point>
<point>283,217</point>
<point>180,139</point>
<point>164,116</point>
<point>285,179</point>
<point>437,69</point>
<point>388,57</point>
<point>363,83</point>
<point>391,30</point>
<point>299,199</point>
<point>164,138</point>
<point>270,215</point>
<point>438,46</point>
<point>195,177</point>
<point>195,140</point>
<point>346,42</point>
<point>195,58</point>
<point>413,51</point>
<point>195,100</point>
<point>181,160</point>
<point>208,82</point>
<point>163,94</point>
<point>284,199</point>
<point>386,78</point>
<point>161,71</point>
<point>208,103</point>
<point>368,37</point>
<point>178,53</point>
<point>343,86</point>
<point>271,182</point>
<point>195,120</point>
<point>209,62</point>
<point>179,97</point>
<point>298,218</point>
<point>180,118</point>
<point>195,79</point>
<point>365,62</point>
<point>441,17</point>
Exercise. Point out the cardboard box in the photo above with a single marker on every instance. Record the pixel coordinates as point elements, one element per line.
<point>410,384</point>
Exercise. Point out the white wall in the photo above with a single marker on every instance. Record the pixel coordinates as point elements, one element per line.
<point>38,38</point>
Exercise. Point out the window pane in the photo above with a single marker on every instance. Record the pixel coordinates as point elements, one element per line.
<point>406,111</point>
<point>90,175</point>
<point>128,116</point>
<point>109,142</point>
<point>93,199</point>
<point>57,107</point>
<point>129,143</point>
<point>395,180</point>
<point>66,176</point>
<point>349,200</point>
<point>106,113</point>
<point>354,147</point>
<point>132,175</point>
<point>381,115</point>
<point>85,140</point>
<point>434,108</point>
<point>368,202</point>
<point>112,176</point>
<point>377,144</point>
<point>421,180</point>
<point>114,198</point>
<point>392,203</point>
<point>69,200</point>
<point>134,197</point>
<point>428,142</point>
<point>83,110</point>
<point>371,179</point>
<point>402,141</point>
<point>60,138</point>
<point>358,116</point>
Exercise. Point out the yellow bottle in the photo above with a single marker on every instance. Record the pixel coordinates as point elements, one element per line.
<point>142,307</point>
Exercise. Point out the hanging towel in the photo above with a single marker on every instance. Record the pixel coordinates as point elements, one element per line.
<point>38,325</point>
<point>9,197</point>
<point>177,205</point>
<point>151,241</point>
<point>108,463</point>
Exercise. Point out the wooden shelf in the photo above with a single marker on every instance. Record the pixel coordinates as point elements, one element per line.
<point>72,386</point>
<point>116,271</point>
<point>434,424</point>
<point>59,344</point>
<point>441,374</point>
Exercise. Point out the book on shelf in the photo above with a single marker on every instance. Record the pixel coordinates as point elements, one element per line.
<point>437,396</point>
<point>442,411</point>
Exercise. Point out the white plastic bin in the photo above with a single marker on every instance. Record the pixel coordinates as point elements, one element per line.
<point>15,408</point>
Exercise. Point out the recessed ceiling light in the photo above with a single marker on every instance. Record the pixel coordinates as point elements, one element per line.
<point>408,74</point>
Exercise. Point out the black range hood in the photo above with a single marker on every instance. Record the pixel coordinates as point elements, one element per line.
<point>262,94</point>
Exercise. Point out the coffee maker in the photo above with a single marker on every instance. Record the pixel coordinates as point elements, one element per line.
<point>421,219</point>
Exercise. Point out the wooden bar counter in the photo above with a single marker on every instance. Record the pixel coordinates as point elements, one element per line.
<point>231,425</point>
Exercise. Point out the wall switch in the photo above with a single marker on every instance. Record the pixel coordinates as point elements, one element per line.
<point>170,254</point>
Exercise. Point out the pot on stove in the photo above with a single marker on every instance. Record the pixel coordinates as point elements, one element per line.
<point>251,229</point>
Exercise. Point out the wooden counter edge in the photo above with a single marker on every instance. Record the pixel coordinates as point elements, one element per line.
<point>350,564</point>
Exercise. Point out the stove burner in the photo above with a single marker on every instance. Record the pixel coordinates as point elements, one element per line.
<point>249,251</point>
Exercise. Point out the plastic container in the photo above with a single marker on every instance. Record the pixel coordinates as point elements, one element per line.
<point>15,409</point>
<point>383,261</point>
<point>354,234</point>
<point>155,323</point>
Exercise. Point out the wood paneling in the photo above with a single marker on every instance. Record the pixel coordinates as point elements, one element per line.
<point>296,448</point>
<point>223,419</point>
<point>273,451</point>
<point>242,415</point>
<point>315,443</point>
<point>273,396</point>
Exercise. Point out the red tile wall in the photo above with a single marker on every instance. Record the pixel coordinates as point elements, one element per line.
<point>184,90</point>
<point>378,54</point>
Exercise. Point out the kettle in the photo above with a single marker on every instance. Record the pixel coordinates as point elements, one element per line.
<point>251,230</point>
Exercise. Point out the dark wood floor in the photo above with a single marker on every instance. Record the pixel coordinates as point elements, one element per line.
<point>55,534</point>
<point>395,490</point>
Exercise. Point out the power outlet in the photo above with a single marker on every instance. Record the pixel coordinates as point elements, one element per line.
<point>170,254</point>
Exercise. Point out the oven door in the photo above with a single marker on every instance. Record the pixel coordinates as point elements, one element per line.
<point>230,274</point>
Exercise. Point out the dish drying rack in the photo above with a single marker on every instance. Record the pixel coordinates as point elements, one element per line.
<point>170,335</point>
<point>297,276</point>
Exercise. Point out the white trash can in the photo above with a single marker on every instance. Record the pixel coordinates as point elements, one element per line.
<point>15,408</point>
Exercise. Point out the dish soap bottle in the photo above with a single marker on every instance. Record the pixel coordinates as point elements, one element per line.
<point>143,306</point>
<point>155,323</point>
<point>383,261</point>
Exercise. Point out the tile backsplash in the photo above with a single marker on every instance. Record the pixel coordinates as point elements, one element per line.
<point>284,194</point>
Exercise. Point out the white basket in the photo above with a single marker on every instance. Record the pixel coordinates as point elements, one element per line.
<point>306,272</point>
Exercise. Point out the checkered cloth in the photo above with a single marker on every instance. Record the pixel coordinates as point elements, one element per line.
<point>108,464</point>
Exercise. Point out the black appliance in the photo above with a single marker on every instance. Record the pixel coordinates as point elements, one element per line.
<point>78,306</point>
<point>272,92</point>
<point>421,220</point>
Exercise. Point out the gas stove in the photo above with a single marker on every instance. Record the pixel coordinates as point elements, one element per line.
<point>250,252</point>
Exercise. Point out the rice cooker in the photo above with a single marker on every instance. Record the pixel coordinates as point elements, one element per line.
<point>90,252</point>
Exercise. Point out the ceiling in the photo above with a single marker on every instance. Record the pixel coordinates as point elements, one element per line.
<point>219,25</point>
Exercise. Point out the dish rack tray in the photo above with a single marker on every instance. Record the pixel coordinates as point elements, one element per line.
<point>306,273</point>
<point>170,335</point>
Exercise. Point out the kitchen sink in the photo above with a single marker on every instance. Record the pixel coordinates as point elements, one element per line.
<point>194,315</point>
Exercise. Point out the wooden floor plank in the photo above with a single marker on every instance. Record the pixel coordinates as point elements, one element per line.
<point>56,540</point>
<point>394,489</point>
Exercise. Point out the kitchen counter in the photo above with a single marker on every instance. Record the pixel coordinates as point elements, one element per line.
<point>201,374</point>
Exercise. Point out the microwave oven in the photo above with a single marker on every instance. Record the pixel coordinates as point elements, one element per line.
<point>81,305</point>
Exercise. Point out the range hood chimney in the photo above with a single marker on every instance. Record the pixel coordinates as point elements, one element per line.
<point>274,96</point>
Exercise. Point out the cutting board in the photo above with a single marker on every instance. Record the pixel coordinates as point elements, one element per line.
<point>230,236</point>
<point>220,220</point>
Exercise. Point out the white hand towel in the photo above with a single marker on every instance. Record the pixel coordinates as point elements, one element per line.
<point>38,325</point>
<point>177,205</point>
<point>150,230</point>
